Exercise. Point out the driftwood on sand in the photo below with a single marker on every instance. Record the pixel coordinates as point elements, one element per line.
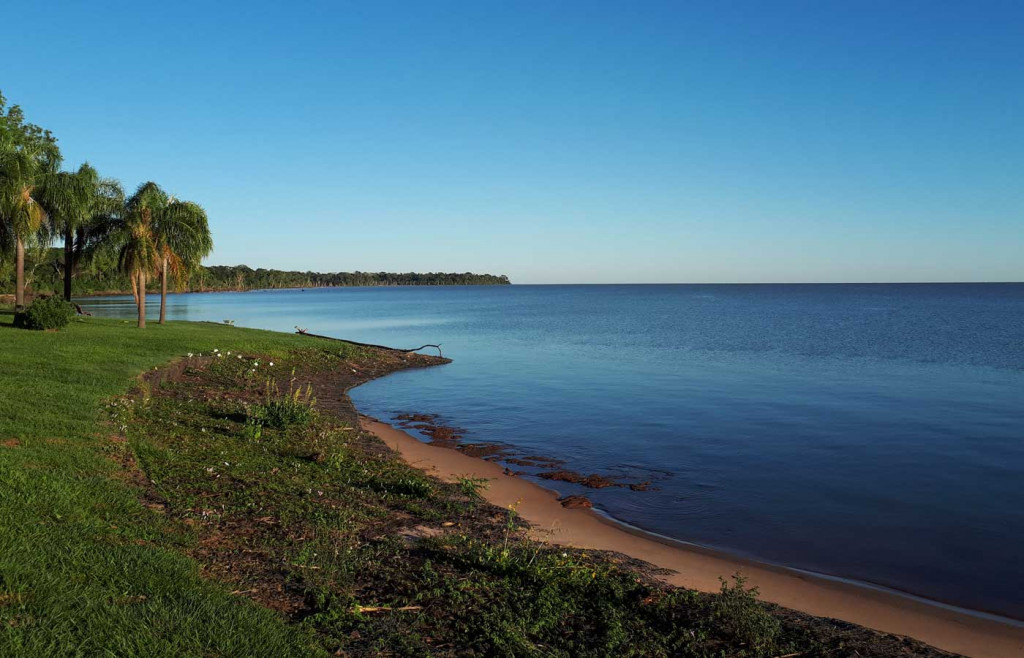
<point>304,332</point>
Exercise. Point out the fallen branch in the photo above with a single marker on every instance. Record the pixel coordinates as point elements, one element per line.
<point>438,346</point>
<point>384,608</point>
<point>305,332</point>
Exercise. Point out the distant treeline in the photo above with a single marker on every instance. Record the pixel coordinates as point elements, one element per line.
<point>45,272</point>
<point>242,277</point>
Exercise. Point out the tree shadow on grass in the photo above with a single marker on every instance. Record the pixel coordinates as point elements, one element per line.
<point>5,312</point>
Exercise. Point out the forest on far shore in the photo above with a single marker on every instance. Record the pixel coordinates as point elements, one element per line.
<point>45,272</point>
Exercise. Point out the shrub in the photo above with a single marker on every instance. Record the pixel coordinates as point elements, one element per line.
<point>742,618</point>
<point>46,313</point>
<point>282,411</point>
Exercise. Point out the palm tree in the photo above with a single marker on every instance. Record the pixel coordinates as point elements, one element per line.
<point>107,205</point>
<point>21,217</point>
<point>183,239</point>
<point>79,205</point>
<point>158,233</point>
<point>131,235</point>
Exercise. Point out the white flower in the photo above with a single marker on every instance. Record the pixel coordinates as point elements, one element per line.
<point>215,350</point>
<point>239,356</point>
<point>220,356</point>
<point>190,355</point>
<point>271,363</point>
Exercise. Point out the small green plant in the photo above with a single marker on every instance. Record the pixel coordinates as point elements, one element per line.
<point>282,411</point>
<point>471,487</point>
<point>253,428</point>
<point>505,554</point>
<point>47,313</point>
<point>743,618</point>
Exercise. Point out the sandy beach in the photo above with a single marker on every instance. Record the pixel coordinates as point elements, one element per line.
<point>698,568</point>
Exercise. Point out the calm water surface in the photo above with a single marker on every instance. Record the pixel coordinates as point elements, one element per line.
<point>872,432</point>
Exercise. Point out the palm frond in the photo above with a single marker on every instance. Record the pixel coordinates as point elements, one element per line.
<point>183,234</point>
<point>22,167</point>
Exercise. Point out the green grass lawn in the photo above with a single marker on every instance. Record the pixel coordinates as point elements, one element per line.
<point>85,568</point>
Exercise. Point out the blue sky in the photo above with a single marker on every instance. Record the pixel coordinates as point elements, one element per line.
<point>557,141</point>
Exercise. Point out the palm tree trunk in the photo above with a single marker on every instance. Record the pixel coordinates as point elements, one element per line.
<point>142,300</point>
<point>163,292</point>
<point>19,285</point>
<point>69,261</point>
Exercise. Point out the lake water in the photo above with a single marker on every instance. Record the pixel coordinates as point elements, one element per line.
<point>870,432</point>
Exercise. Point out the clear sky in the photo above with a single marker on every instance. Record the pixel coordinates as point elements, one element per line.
<point>556,140</point>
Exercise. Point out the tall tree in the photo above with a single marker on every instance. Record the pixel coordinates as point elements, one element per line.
<point>183,239</point>
<point>21,217</point>
<point>27,154</point>
<point>80,205</point>
<point>156,233</point>
<point>131,236</point>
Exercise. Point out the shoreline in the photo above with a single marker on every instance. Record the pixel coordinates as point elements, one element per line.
<point>976,634</point>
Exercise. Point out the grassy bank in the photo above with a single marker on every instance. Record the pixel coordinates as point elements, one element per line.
<point>85,568</point>
<point>208,509</point>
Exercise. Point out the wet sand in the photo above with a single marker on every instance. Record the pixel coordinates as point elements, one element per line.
<point>698,568</point>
